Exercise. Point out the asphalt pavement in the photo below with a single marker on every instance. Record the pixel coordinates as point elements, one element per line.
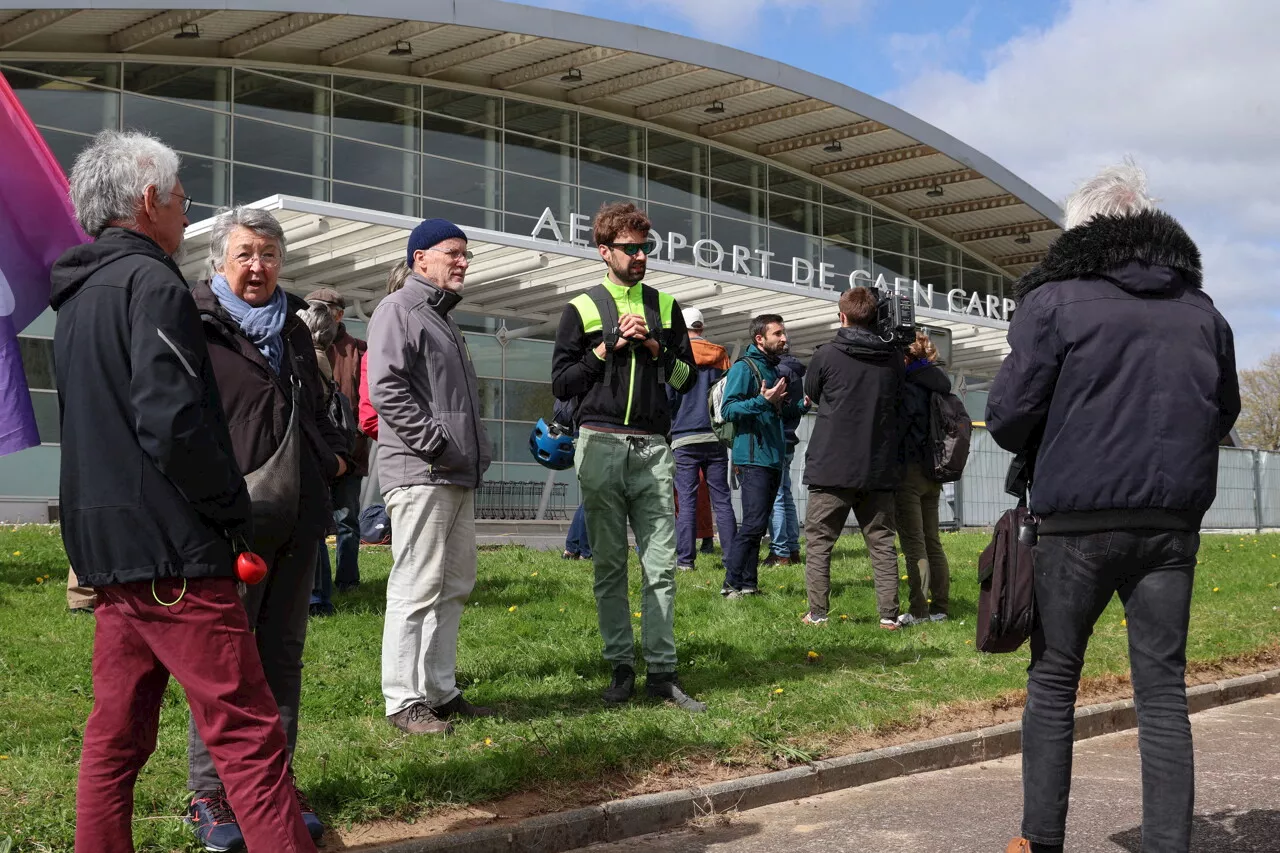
<point>979,807</point>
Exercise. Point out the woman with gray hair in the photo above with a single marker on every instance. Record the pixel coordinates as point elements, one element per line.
<point>274,398</point>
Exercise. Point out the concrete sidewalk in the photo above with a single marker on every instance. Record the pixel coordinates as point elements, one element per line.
<point>978,808</point>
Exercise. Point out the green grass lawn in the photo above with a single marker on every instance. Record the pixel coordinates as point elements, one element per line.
<point>778,690</point>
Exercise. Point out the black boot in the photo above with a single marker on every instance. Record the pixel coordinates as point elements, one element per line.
<point>665,685</point>
<point>622,685</point>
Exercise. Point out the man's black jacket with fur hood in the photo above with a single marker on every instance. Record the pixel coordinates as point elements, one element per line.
<point>1122,374</point>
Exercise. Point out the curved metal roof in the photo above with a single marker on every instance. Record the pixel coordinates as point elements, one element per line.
<point>772,110</point>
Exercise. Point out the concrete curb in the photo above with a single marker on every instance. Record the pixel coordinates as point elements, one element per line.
<point>620,819</point>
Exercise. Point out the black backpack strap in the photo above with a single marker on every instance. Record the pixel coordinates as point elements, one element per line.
<point>653,322</point>
<point>608,310</point>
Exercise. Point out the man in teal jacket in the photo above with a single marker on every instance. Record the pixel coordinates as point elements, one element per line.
<point>755,400</point>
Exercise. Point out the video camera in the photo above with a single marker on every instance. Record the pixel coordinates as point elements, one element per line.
<point>895,316</point>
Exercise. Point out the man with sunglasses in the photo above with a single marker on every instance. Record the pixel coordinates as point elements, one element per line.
<point>618,346</point>
<point>432,453</point>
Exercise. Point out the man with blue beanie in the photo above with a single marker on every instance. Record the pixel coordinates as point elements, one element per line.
<point>432,454</point>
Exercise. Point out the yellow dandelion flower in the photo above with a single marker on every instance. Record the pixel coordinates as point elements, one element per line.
<point>488,741</point>
<point>814,655</point>
<point>777,692</point>
<point>904,577</point>
<point>968,642</point>
<point>1215,589</point>
<point>4,758</point>
<point>1124,623</point>
<point>39,580</point>
<point>561,609</point>
<point>17,553</point>
<point>534,575</point>
<point>636,614</point>
<point>844,617</point>
<point>511,609</point>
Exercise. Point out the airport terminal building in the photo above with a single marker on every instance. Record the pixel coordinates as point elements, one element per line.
<point>770,189</point>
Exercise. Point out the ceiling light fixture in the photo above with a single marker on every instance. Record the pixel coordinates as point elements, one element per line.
<point>402,48</point>
<point>188,31</point>
<point>573,75</point>
<point>833,147</point>
<point>1023,239</point>
<point>716,108</point>
<point>936,192</point>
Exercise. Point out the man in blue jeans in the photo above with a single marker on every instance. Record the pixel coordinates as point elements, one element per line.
<point>697,449</point>
<point>784,524</point>
<point>755,400</point>
<point>1121,381</point>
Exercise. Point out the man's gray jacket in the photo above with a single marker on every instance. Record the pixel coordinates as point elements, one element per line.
<point>423,387</point>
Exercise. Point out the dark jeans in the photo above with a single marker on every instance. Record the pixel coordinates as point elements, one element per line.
<point>712,458</point>
<point>277,611</point>
<point>346,513</point>
<point>322,586</point>
<point>758,485</point>
<point>1075,577</point>
<point>577,542</point>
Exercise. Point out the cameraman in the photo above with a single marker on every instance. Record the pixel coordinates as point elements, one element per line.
<point>852,461</point>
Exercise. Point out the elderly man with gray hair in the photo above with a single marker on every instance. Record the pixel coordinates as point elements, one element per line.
<point>152,500</point>
<point>274,399</point>
<point>1120,383</point>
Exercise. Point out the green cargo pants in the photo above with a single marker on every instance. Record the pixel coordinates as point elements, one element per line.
<point>631,478</point>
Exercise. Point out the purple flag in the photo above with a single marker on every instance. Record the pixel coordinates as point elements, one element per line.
<point>37,224</point>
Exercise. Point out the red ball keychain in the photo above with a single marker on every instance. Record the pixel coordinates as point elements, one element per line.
<point>250,568</point>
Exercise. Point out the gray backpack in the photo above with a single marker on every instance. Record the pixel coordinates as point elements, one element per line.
<point>720,425</point>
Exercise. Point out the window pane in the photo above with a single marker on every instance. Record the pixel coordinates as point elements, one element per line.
<point>205,182</point>
<point>530,197</point>
<point>461,214</point>
<point>452,181</point>
<point>382,90</point>
<point>540,158</point>
<point>731,232</point>
<point>486,354</point>
<point>374,121</point>
<point>839,199</point>
<point>250,185</point>
<point>792,185</point>
<point>739,170</point>
<point>528,401</point>
<point>983,283</point>
<point>794,214</point>
<point>612,174</point>
<point>894,237</point>
<point>540,121</point>
<point>490,392</point>
<point>90,73</point>
<point>65,146</point>
<point>45,406</point>
<point>67,104</point>
<point>389,168</point>
<point>612,137</point>
<point>279,100</point>
<point>37,362</point>
<point>678,188</point>
<point>494,428</point>
<point>197,85</point>
<point>846,226</point>
<point>185,129</point>
<point>936,250</point>
<point>845,259</point>
<point>590,201</point>
<point>943,278</point>
<point>786,245</point>
<point>375,199</point>
<point>891,266</point>
<point>463,105</point>
<point>281,147</point>
<point>694,227</point>
<point>459,140</point>
<point>677,153</point>
<point>516,442</point>
<point>529,359</point>
<point>733,200</point>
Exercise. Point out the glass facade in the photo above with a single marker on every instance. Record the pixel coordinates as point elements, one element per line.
<point>481,160</point>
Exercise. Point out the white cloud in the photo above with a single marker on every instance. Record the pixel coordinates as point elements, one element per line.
<point>1187,87</point>
<point>733,21</point>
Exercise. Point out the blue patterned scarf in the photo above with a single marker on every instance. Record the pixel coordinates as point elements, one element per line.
<point>261,326</point>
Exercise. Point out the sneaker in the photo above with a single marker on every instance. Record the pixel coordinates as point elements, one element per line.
<point>309,816</point>
<point>665,685</point>
<point>622,686</point>
<point>214,822</point>
<point>708,546</point>
<point>321,610</point>
<point>773,560</point>
<point>683,567</point>
<point>458,706</point>
<point>890,624</point>
<point>571,555</point>
<point>810,619</point>
<point>938,617</point>
<point>906,620</point>
<point>750,590</point>
<point>732,594</point>
<point>419,719</point>
<point>795,556</point>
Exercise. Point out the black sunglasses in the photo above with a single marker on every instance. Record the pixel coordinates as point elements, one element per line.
<point>633,249</point>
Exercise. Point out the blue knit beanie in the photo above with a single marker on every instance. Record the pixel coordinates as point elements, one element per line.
<point>432,232</point>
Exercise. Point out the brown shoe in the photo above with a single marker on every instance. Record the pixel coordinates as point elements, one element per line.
<point>418,719</point>
<point>460,707</point>
<point>1018,845</point>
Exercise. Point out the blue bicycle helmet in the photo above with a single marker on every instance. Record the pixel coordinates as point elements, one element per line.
<point>551,446</point>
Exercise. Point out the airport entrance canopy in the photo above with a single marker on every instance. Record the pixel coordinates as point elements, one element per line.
<point>527,281</point>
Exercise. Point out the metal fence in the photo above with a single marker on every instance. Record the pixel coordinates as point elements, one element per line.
<point>514,501</point>
<point>1248,488</point>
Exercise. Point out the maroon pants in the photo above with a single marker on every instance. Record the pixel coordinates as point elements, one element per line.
<point>204,642</point>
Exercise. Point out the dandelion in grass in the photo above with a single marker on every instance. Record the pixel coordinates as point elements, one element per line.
<point>636,614</point>
<point>777,691</point>
<point>511,609</point>
<point>17,553</point>
<point>904,577</point>
<point>1124,623</point>
<point>39,580</point>
<point>1215,589</point>
<point>534,575</point>
<point>844,617</point>
<point>812,655</point>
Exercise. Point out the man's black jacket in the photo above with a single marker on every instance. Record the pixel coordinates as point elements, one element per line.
<point>149,484</point>
<point>855,381</point>
<point>1122,374</point>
